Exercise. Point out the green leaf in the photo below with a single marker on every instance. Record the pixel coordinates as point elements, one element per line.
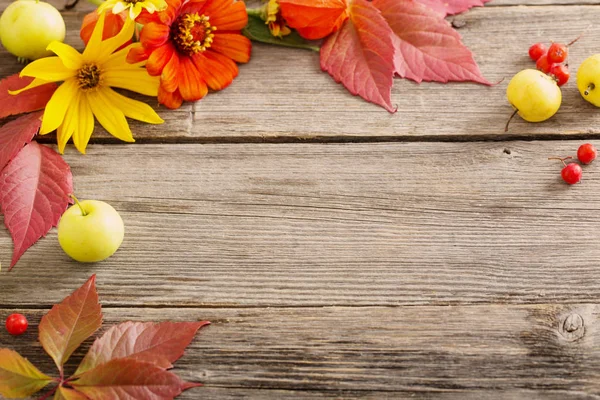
<point>69,394</point>
<point>258,31</point>
<point>69,323</point>
<point>18,377</point>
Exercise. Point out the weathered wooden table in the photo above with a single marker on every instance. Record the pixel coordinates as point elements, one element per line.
<point>344,252</point>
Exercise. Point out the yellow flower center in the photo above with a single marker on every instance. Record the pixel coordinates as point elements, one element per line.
<point>192,33</point>
<point>88,76</point>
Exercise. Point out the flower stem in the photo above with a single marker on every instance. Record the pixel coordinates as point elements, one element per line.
<point>257,12</point>
<point>79,204</point>
<point>96,2</point>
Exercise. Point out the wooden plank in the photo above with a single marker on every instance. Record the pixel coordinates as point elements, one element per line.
<point>282,95</point>
<point>306,224</point>
<point>456,351</point>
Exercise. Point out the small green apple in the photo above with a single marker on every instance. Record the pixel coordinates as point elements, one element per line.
<point>90,231</point>
<point>27,27</point>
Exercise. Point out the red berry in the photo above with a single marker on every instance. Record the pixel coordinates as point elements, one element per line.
<point>537,50</point>
<point>587,153</point>
<point>571,173</point>
<point>543,64</point>
<point>557,53</point>
<point>16,324</point>
<point>561,73</point>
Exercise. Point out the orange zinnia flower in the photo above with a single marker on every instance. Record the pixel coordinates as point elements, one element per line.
<point>193,45</point>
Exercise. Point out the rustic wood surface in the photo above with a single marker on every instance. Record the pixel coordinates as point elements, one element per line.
<point>355,254</point>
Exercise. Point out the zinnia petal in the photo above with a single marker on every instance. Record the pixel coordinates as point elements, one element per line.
<point>191,85</point>
<point>109,115</point>
<point>85,125</point>
<point>136,80</point>
<point>171,12</point>
<point>168,78</point>
<point>154,35</point>
<point>55,111</point>
<point>159,59</point>
<point>68,55</point>
<point>234,46</point>
<point>170,100</point>
<point>49,69</point>
<point>227,15</point>
<point>133,108</point>
<point>217,70</point>
<point>136,54</point>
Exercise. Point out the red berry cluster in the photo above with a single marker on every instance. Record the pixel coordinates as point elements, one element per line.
<point>571,173</point>
<point>552,61</point>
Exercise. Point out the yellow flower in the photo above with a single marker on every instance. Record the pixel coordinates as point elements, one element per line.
<point>276,23</point>
<point>86,92</point>
<point>135,6</point>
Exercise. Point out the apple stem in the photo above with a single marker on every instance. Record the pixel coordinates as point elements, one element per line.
<point>79,204</point>
<point>510,119</point>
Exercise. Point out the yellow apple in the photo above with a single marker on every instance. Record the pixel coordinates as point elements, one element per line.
<point>27,27</point>
<point>534,95</point>
<point>90,231</point>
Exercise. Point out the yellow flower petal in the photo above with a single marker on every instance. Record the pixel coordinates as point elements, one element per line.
<point>110,45</point>
<point>109,116</point>
<point>136,80</point>
<point>55,111</point>
<point>35,83</point>
<point>50,69</point>
<point>93,48</point>
<point>159,4</point>
<point>118,60</point>
<point>133,108</point>
<point>85,127</point>
<point>68,55</point>
<point>107,5</point>
<point>119,7</point>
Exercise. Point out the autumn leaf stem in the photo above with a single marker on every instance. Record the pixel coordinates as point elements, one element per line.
<point>79,204</point>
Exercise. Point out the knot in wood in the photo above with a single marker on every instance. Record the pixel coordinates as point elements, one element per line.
<point>572,327</point>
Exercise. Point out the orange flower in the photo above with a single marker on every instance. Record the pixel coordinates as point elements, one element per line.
<point>193,46</point>
<point>314,19</point>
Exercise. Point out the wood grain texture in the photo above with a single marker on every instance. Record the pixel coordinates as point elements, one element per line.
<point>356,224</point>
<point>282,95</point>
<point>395,352</point>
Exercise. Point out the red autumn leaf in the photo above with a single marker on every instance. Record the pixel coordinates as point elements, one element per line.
<point>29,100</point>
<point>16,134</point>
<point>69,323</point>
<point>18,377</point>
<point>130,379</point>
<point>34,192</point>
<point>63,393</point>
<point>450,7</point>
<point>427,48</point>
<point>314,19</point>
<point>112,25</point>
<point>160,344</point>
<point>361,55</point>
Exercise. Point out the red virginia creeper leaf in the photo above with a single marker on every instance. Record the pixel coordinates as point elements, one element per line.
<point>128,379</point>
<point>34,192</point>
<point>427,48</point>
<point>361,55</point>
<point>314,19</point>
<point>16,134</point>
<point>69,323</point>
<point>64,393</point>
<point>29,100</point>
<point>18,377</point>
<point>450,7</point>
<point>159,344</point>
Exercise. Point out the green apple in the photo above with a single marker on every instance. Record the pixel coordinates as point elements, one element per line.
<point>90,231</point>
<point>27,27</point>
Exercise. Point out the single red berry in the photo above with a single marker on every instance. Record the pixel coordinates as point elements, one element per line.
<point>543,64</point>
<point>557,53</point>
<point>537,50</point>
<point>587,153</point>
<point>16,324</point>
<point>561,73</point>
<point>571,173</point>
